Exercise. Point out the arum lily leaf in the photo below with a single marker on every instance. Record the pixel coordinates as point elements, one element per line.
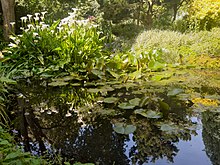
<point>126,106</point>
<point>110,100</point>
<point>7,80</point>
<point>58,83</point>
<point>135,101</point>
<point>175,92</point>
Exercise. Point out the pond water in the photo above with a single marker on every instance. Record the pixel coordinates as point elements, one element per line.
<point>133,122</point>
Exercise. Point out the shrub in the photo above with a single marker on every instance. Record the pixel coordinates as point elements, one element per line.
<point>66,45</point>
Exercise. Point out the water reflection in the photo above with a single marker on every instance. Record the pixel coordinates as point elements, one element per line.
<point>77,124</point>
<point>211,135</point>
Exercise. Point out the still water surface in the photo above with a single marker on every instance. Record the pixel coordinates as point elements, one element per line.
<point>114,123</point>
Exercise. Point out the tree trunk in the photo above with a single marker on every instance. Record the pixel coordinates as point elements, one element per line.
<point>8,17</point>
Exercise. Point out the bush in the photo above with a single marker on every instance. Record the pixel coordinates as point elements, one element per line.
<point>67,45</point>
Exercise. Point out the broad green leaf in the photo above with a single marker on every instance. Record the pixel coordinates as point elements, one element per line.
<point>110,100</point>
<point>119,128</point>
<point>130,129</point>
<point>93,90</point>
<point>155,65</point>
<point>126,106</point>
<point>114,74</point>
<point>58,83</point>
<point>175,92</point>
<point>135,75</point>
<point>168,128</point>
<point>122,128</point>
<point>14,155</point>
<point>135,101</point>
<point>148,113</point>
<point>164,105</point>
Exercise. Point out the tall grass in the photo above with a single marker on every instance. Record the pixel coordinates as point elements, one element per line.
<point>178,44</point>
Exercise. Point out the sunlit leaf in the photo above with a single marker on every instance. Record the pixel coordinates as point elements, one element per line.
<point>126,105</point>
<point>93,90</point>
<point>175,92</point>
<point>135,101</point>
<point>110,100</point>
<point>58,83</point>
<point>122,128</point>
<point>148,113</point>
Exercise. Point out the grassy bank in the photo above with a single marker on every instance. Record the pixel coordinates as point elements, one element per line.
<point>199,48</point>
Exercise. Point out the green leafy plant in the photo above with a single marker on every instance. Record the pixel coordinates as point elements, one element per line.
<point>70,45</point>
<point>10,154</point>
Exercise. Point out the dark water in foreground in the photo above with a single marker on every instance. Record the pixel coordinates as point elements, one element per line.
<point>115,123</point>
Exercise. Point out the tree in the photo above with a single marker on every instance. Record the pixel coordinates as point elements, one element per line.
<point>8,17</point>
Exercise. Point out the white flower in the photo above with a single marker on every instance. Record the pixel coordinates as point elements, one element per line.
<point>13,38</point>
<point>12,45</point>
<point>29,17</point>
<point>44,26</point>
<point>36,14</point>
<point>30,26</point>
<point>24,19</point>
<point>68,114</point>
<point>43,13</point>
<point>75,9</point>
<point>35,34</point>
<point>36,18</point>
<point>12,24</point>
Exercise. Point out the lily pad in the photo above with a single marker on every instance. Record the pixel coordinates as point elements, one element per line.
<point>135,101</point>
<point>175,92</point>
<point>58,83</point>
<point>168,128</point>
<point>148,113</point>
<point>93,90</point>
<point>126,105</point>
<point>122,128</point>
<point>110,100</point>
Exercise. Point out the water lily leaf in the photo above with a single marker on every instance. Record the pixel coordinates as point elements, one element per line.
<point>58,83</point>
<point>110,100</point>
<point>130,129</point>
<point>168,128</point>
<point>148,113</point>
<point>66,78</point>
<point>126,105</point>
<point>75,84</point>
<point>106,88</point>
<point>164,105</point>
<point>119,128</point>
<point>135,101</point>
<point>93,90</point>
<point>175,92</point>
<point>122,128</point>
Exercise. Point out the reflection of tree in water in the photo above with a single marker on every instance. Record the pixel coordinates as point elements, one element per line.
<point>90,138</point>
<point>211,135</point>
<point>43,116</point>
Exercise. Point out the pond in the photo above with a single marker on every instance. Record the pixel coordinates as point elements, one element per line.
<point>117,122</point>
